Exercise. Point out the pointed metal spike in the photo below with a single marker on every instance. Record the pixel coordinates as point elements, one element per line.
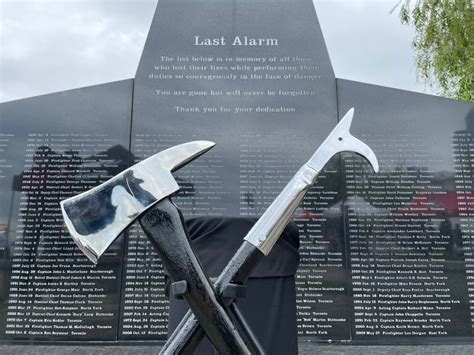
<point>175,157</point>
<point>346,122</point>
<point>341,140</point>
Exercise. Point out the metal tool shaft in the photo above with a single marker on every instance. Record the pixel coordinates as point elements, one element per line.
<point>265,233</point>
<point>262,237</point>
<point>188,334</point>
<point>163,224</point>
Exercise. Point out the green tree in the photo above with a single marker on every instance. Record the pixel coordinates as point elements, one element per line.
<point>444,43</point>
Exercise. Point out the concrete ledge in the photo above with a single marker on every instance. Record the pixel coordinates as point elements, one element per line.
<point>306,349</point>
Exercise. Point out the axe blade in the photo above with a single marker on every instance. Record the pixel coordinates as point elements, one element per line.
<point>96,217</point>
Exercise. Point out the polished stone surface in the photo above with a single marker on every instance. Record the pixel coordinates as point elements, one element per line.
<point>56,146</point>
<point>385,258</point>
<point>410,227</point>
<point>268,107</point>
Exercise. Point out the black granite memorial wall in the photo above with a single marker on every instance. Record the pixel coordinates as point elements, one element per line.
<point>409,228</point>
<point>384,258</point>
<point>53,147</point>
<point>267,106</point>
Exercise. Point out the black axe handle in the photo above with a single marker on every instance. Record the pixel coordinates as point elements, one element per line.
<point>163,224</point>
<point>188,334</point>
<point>245,329</point>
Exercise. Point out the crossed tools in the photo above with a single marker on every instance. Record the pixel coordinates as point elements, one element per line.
<point>96,218</point>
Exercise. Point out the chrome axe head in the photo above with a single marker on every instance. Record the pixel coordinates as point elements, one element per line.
<point>96,217</point>
<point>341,140</point>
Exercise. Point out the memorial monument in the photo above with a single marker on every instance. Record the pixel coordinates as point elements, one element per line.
<point>385,258</point>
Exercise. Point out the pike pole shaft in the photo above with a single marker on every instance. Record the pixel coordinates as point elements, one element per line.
<point>258,243</point>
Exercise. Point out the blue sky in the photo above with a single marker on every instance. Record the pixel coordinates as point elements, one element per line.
<point>48,46</point>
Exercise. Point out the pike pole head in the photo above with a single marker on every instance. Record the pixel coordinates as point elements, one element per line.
<point>341,140</point>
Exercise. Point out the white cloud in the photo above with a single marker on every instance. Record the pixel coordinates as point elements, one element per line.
<point>48,45</point>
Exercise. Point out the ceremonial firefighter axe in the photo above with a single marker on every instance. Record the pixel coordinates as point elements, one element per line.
<point>96,218</point>
<point>264,234</point>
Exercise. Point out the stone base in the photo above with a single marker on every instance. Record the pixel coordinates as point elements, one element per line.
<point>305,348</point>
